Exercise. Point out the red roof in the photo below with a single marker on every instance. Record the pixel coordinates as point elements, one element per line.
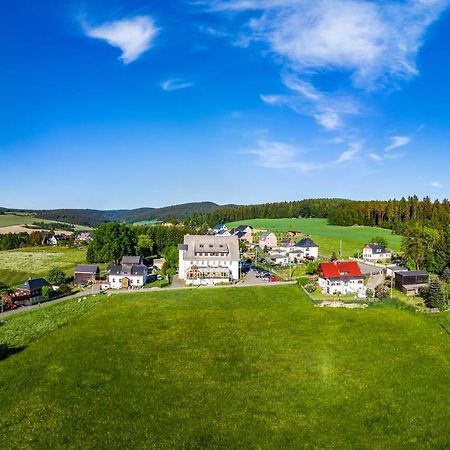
<point>340,269</point>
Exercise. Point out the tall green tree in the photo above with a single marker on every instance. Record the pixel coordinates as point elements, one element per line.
<point>110,242</point>
<point>56,276</point>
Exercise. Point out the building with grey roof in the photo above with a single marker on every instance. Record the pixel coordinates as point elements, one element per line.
<point>206,259</point>
<point>130,274</point>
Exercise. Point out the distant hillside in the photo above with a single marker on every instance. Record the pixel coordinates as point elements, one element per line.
<point>94,217</point>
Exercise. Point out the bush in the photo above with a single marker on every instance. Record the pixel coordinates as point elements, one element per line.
<point>65,289</point>
<point>56,276</point>
<point>310,288</point>
<point>370,293</point>
<point>303,281</point>
<point>382,292</point>
<point>312,268</point>
<point>47,292</point>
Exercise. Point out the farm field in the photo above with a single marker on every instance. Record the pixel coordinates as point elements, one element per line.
<point>326,236</point>
<point>16,266</point>
<point>224,368</point>
<point>8,220</point>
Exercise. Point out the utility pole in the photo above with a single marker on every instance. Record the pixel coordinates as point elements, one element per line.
<point>340,249</point>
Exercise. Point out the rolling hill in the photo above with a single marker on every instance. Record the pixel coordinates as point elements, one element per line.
<point>94,217</point>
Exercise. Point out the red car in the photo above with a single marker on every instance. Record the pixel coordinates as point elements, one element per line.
<point>272,280</point>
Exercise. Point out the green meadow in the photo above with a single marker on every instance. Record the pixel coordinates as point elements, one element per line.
<point>224,368</point>
<point>16,266</point>
<point>326,236</point>
<point>7,220</point>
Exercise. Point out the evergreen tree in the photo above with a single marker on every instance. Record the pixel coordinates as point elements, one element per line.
<point>434,296</point>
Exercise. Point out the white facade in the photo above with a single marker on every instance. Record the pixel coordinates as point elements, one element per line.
<point>376,253</point>
<point>206,260</point>
<point>342,286</point>
<point>279,260</point>
<point>135,281</point>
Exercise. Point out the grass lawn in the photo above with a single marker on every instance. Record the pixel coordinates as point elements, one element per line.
<point>17,265</point>
<point>224,368</point>
<point>326,236</point>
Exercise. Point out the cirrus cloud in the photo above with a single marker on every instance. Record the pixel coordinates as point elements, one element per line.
<point>133,36</point>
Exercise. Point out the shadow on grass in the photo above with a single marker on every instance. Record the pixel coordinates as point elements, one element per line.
<point>6,350</point>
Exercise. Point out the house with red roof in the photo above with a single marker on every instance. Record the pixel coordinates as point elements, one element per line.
<point>341,277</point>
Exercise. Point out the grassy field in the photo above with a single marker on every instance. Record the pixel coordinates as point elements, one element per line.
<point>225,368</point>
<point>7,220</point>
<point>326,236</point>
<point>17,265</point>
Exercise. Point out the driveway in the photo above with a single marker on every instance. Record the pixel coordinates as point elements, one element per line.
<point>374,281</point>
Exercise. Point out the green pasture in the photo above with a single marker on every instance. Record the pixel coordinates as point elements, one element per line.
<point>327,237</point>
<point>230,368</point>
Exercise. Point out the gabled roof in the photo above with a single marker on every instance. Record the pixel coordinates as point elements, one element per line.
<point>87,268</point>
<point>240,234</point>
<point>287,242</point>
<point>306,242</point>
<point>196,246</point>
<point>127,270</point>
<point>33,284</point>
<point>266,234</point>
<point>377,248</point>
<point>344,269</point>
<point>131,260</point>
<point>242,228</point>
<point>219,226</point>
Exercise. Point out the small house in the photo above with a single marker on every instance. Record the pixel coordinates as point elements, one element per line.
<point>278,260</point>
<point>159,262</point>
<point>243,233</point>
<point>220,228</point>
<point>376,252</point>
<point>306,249</point>
<point>86,273</point>
<point>132,273</point>
<point>268,240</point>
<point>28,293</point>
<point>341,277</point>
<point>410,282</point>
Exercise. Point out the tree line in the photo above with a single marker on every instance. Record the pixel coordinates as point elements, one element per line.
<point>111,241</point>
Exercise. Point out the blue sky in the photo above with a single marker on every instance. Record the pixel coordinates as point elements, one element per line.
<point>129,103</point>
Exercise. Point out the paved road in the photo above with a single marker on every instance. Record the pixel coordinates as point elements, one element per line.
<point>247,282</point>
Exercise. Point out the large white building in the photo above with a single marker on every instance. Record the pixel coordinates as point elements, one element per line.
<point>205,259</point>
<point>131,273</point>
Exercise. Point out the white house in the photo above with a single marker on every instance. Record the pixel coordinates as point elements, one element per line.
<point>279,260</point>
<point>286,245</point>
<point>130,274</point>
<point>341,278</point>
<point>220,228</point>
<point>209,259</point>
<point>305,249</point>
<point>376,252</point>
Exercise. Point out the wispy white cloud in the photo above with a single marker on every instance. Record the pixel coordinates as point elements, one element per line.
<point>175,84</point>
<point>329,111</point>
<point>350,154</point>
<point>437,184</point>
<point>375,157</point>
<point>397,142</point>
<point>375,42</point>
<point>133,36</point>
<point>280,155</point>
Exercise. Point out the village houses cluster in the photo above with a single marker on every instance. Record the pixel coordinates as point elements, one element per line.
<point>217,258</point>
